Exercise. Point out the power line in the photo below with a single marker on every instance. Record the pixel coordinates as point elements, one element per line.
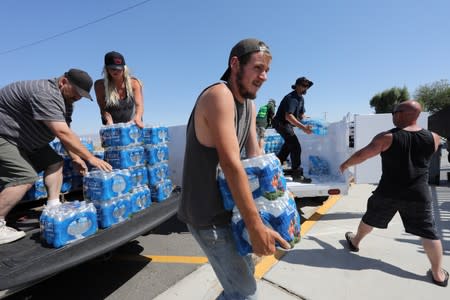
<point>74,29</point>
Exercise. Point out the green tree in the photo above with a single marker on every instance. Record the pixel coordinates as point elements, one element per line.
<point>434,96</point>
<point>385,101</point>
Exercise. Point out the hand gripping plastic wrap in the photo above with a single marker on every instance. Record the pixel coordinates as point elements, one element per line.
<point>319,127</point>
<point>280,215</point>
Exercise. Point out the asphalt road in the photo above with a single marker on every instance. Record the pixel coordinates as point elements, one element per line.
<point>127,272</point>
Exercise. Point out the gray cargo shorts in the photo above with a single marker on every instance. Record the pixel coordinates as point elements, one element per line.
<point>19,167</point>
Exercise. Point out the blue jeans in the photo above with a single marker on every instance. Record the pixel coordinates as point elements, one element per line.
<point>235,272</point>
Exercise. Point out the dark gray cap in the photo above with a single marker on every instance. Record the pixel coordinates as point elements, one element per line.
<point>244,47</point>
<point>81,81</point>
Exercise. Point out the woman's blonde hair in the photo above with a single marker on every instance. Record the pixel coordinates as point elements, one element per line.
<point>111,95</point>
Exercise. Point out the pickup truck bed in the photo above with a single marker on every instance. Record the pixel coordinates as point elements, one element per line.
<point>28,261</point>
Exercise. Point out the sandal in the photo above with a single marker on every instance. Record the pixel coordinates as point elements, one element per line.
<point>348,236</point>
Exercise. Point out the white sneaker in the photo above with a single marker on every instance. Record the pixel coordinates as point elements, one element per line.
<point>8,234</point>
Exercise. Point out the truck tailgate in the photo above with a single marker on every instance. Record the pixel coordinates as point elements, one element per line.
<point>27,261</point>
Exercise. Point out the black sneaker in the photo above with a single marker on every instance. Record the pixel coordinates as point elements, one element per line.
<point>301,179</point>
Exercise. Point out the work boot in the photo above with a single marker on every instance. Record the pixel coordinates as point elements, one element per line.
<point>8,234</point>
<point>297,175</point>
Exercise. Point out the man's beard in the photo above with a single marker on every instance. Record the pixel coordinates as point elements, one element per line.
<point>242,90</point>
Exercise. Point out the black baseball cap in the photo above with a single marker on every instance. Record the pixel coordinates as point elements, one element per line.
<point>81,81</point>
<point>301,81</point>
<point>114,60</point>
<point>244,47</point>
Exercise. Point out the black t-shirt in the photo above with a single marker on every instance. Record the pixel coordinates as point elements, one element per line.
<point>292,103</point>
<point>405,164</point>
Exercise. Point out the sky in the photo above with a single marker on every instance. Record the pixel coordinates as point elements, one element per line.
<point>350,49</point>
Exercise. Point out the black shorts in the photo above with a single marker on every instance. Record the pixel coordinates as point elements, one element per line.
<point>415,209</point>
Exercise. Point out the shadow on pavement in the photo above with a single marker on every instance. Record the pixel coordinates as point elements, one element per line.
<point>330,257</point>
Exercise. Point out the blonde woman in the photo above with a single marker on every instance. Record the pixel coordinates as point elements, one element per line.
<point>119,95</point>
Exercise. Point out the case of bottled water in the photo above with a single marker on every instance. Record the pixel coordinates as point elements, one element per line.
<point>265,177</point>
<point>319,127</point>
<point>318,166</point>
<point>68,222</point>
<point>156,153</point>
<point>59,147</point>
<point>66,185</point>
<point>125,157</point>
<point>157,173</point>
<point>162,190</point>
<point>139,176</point>
<point>140,198</point>
<point>228,201</point>
<point>120,134</point>
<point>100,185</point>
<point>273,143</point>
<point>37,191</point>
<point>88,143</point>
<point>113,211</point>
<point>280,215</point>
<point>153,135</point>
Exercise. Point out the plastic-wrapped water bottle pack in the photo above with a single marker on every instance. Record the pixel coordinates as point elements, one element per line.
<point>280,215</point>
<point>113,211</point>
<point>68,222</point>
<point>318,166</point>
<point>153,135</point>
<point>140,198</point>
<point>100,185</point>
<point>125,157</point>
<point>156,153</point>
<point>120,135</point>
<point>161,190</point>
<point>319,127</point>
<point>273,143</point>
<point>139,176</point>
<point>265,177</point>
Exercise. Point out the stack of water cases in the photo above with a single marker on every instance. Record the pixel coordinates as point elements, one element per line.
<point>273,143</point>
<point>68,222</point>
<point>157,154</point>
<point>124,191</point>
<point>275,204</point>
<point>72,180</point>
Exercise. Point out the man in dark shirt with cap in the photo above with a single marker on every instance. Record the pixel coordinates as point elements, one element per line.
<point>289,115</point>
<point>33,113</point>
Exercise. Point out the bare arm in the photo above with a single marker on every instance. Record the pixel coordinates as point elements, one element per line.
<point>138,102</point>
<point>73,144</point>
<point>379,143</point>
<point>216,112</point>
<point>437,141</point>
<point>293,120</point>
<point>99,87</point>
